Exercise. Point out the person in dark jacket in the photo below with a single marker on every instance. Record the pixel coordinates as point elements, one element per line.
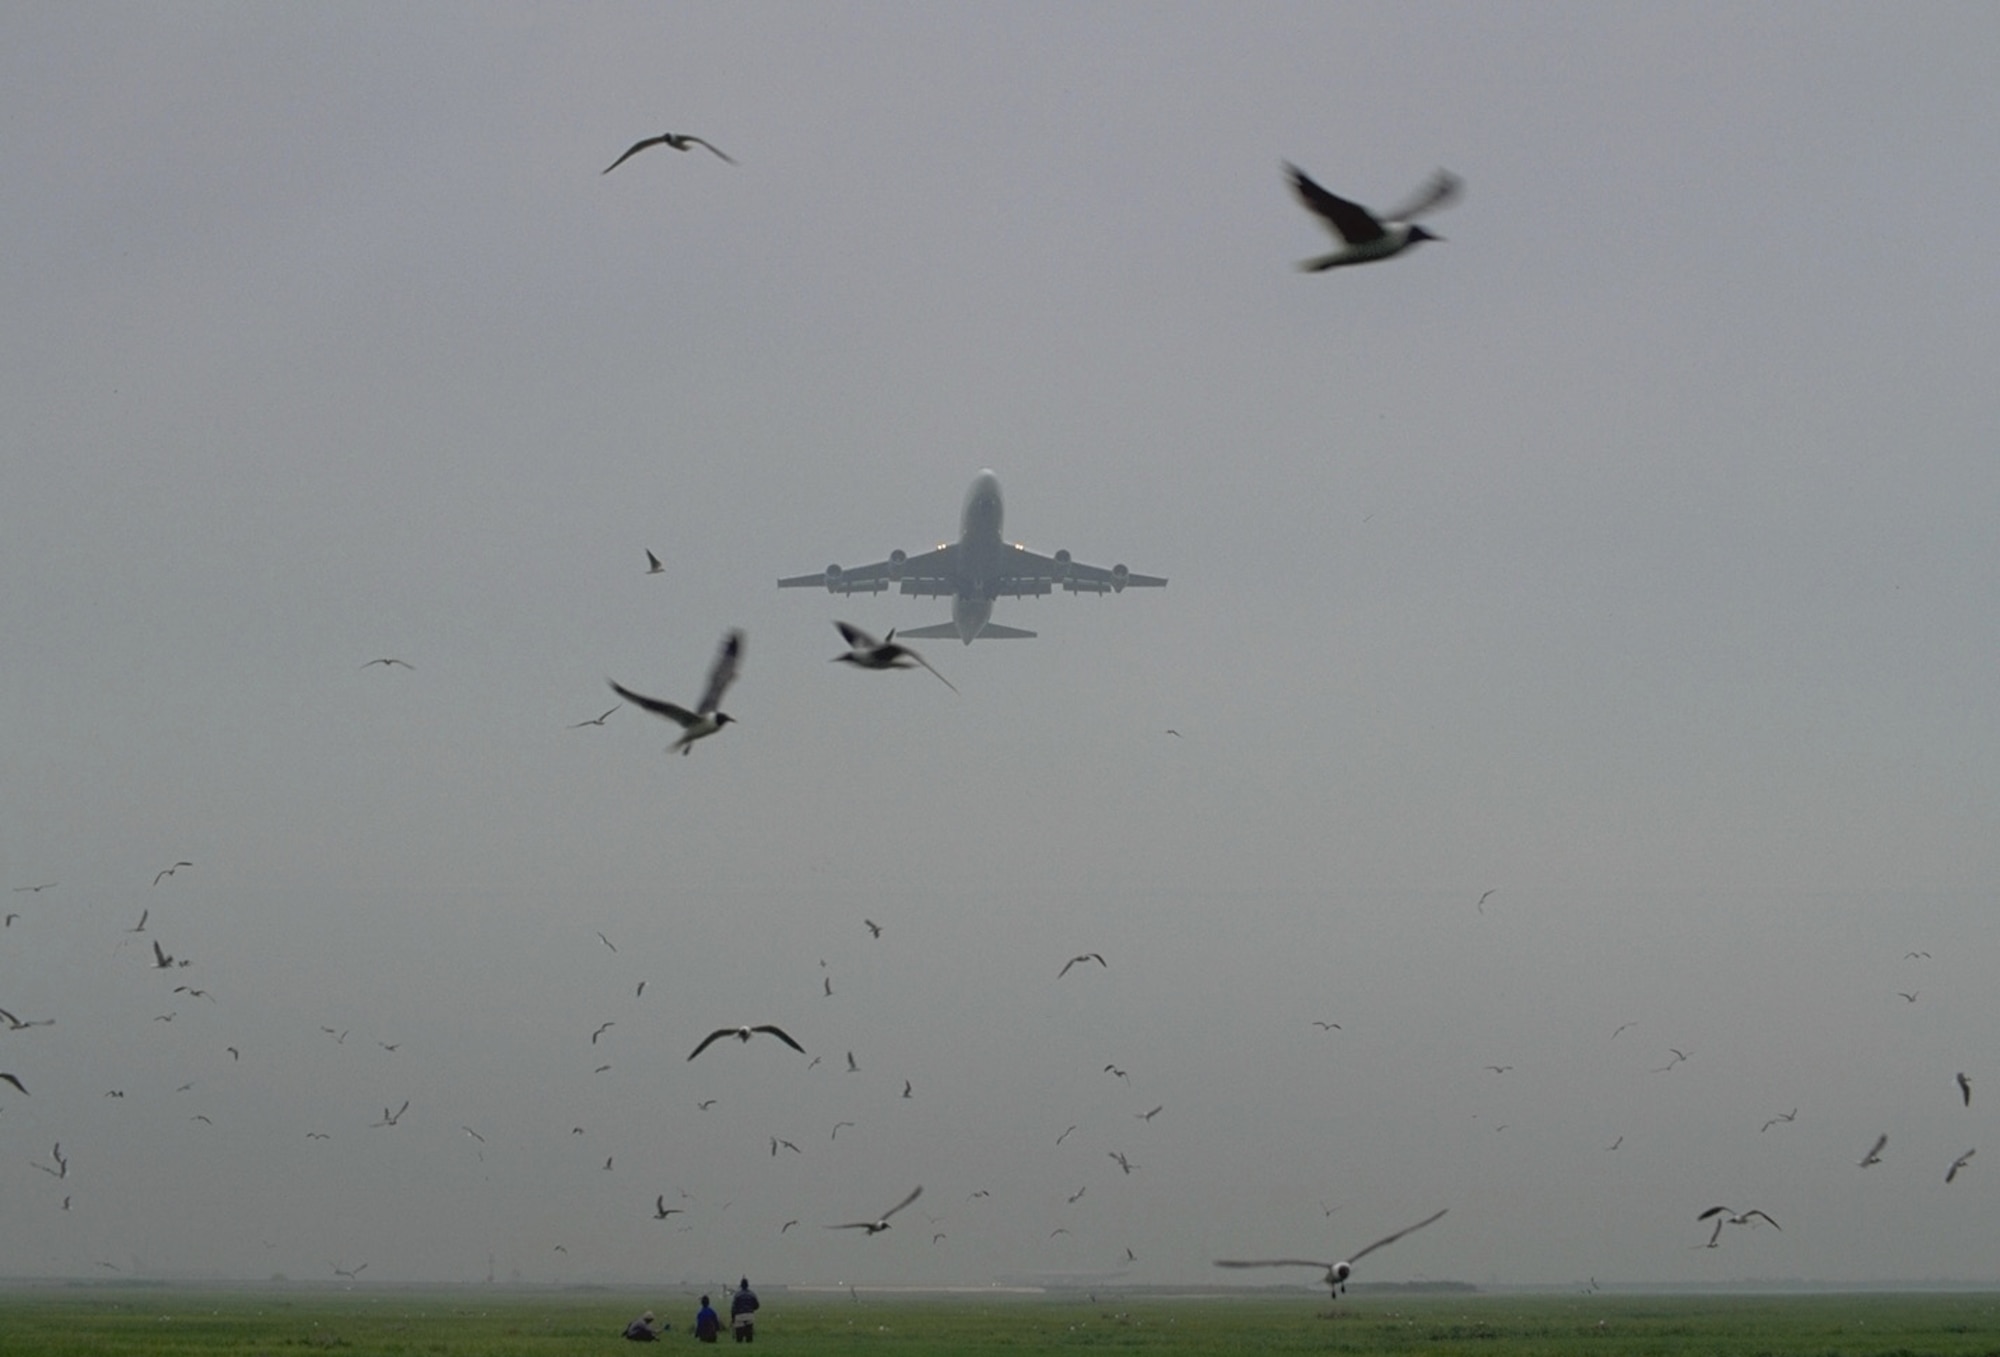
<point>742,1306</point>
<point>641,1330</point>
<point>707,1324</point>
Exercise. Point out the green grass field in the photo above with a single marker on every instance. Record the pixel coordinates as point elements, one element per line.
<point>156,1322</point>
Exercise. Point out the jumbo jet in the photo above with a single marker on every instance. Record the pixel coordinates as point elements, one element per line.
<point>975,570</point>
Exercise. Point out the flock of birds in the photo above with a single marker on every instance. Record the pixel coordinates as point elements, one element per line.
<point>1362,237</point>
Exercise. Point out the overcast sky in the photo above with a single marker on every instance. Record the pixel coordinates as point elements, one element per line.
<point>1630,555</point>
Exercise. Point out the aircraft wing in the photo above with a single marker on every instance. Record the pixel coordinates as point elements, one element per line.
<point>926,573</point>
<point>1035,569</point>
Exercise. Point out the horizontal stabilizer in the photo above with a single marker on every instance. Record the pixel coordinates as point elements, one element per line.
<point>989,632</point>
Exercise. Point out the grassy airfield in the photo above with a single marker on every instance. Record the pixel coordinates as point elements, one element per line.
<point>158,1322</point>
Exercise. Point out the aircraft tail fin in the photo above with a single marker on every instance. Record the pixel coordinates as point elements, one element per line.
<point>949,631</point>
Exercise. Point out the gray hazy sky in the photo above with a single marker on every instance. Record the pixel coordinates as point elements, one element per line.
<point>1631,554</point>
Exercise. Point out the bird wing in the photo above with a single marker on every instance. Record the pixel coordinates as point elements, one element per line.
<point>1385,1242</point>
<point>713,1037</point>
<point>856,638</point>
<point>1440,191</point>
<point>722,673</point>
<point>914,1194</point>
<point>637,147</point>
<point>1712,1211</point>
<point>697,141</point>
<point>1760,1215</point>
<point>1272,1262</point>
<point>679,715</point>
<point>1876,1149</point>
<point>781,1034</point>
<point>12,1080</point>
<point>1352,222</point>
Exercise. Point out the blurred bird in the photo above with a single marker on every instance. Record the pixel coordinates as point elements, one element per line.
<point>1957,1164</point>
<point>880,1224</point>
<point>744,1034</point>
<point>1965,1087</point>
<point>679,141</point>
<point>865,652</point>
<point>598,721</point>
<point>1087,956</point>
<point>1365,237</point>
<point>171,870</point>
<point>705,719</point>
<point>1874,1155</point>
<point>1789,1116</point>
<point>1727,1215</point>
<point>389,660</point>
<point>1336,1273</point>
<point>653,566</point>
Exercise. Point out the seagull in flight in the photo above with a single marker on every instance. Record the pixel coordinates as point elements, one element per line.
<point>171,870</point>
<point>678,140</point>
<point>385,661</point>
<point>15,1024</point>
<point>35,889</point>
<point>653,566</point>
<point>1364,237</point>
<point>14,1081</point>
<point>601,1031</point>
<point>876,1226</point>
<point>1326,1026</point>
<point>661,1210</point>
<point>1789,1116</point>
<point>161,961</point>
<point>1729,1215</point>
<point>1874,1155</point>
<point>598,721</point>
<point>140,927</point>
<point>744,1034</point>
<point>1337,1273</point>
<point>705,719</point>
<point>1950,1173</point>
<point>874,929</point>
<point>865,652</point>
<point>1087,956</point>
<point>391,1118</point>
<point>1965,1087</point>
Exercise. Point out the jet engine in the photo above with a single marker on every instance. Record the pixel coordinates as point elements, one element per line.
<point>1062,564</point>
<point>833,577</point>
<point>896,559</point>
<point>1119,574</point>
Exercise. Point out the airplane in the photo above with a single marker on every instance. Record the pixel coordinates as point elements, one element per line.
<point>976,569</point>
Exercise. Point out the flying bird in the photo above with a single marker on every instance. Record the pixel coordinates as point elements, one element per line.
<point>1079,1194</point>
<point>161,961</point>
<point>1957,1164</point>
<point>15,1024</point>
<point>678,140</point>
<point>1326,1026</point>
<point>171,870</point>
<point>1123,1162</point>
<point>601,1031</point>
<point>865,652</point>
<point>1788,1116</point>
<point>744,1034</point>
<point>661,1210</point>
<point>1337,1273</point>
<point>874,929</point>
<point>391,1118</point>
<point>389,660</point>
<point>906,1088</point>
<point>35,889</point>
<point>1364,237</point>
<point>880,1224</point>
<point>1075,960</point>
<point>836,1129</point>
<point>1965,1087</point>
<point>1148,1116</point>
<point>1065,1135</point>
<point>705,719</point>
<point>852,1068</point>
<point>653,566</point>
<point>1729,1215</point>
<point>1480,904</point>
<point>787,1225</point>
<point>776,1142</point>
<point>1905,995</point>
<point>140,927</point>
<point>1874,1155</point>
<point>597,721</point>
<point>474,1134</point>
